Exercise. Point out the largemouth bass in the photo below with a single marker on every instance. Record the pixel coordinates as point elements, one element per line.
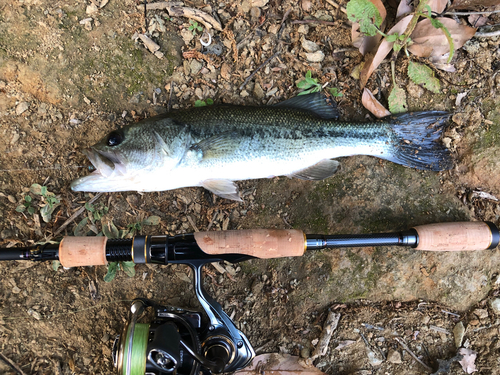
<point>217,145</point>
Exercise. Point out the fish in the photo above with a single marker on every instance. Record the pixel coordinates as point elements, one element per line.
<point>214,146</point>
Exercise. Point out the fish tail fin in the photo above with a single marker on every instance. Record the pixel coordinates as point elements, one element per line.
<point>416,140</point>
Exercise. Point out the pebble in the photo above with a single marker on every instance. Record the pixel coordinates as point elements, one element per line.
<point>309,46</point>
<point>255,13</point>
<point>480,313</point>
<point>304,29</point>
<point>459,332</point>
<point>21,108</point>
<point>317,56</point>
<point>195,66</point>
<point>394,356</point>
<point>258,92</point>
<point>495,305</point>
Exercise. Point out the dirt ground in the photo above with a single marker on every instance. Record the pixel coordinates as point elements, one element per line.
<point>70,72</point>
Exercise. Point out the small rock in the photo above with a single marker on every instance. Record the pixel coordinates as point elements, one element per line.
<point>259,3</point>
<point>394,356</point>
<point>415,91</point>
<point>21,108</point>
<point>255,13</point>
<point>459,332</point>
<point>495,305</point>
<point>187,35</point>
<point>480,313</point>
<point>244,94</point>
<point>317,56</point>
<point>11,199</point>
<point>303,29</point>
<point>16,290</point>
<point>306,5</point>
<point>309,46</point>
<point>374,358</point>
<point>305,353</point>
<point>195,66</point>
<point>246,5</point>
<point>258,92</point>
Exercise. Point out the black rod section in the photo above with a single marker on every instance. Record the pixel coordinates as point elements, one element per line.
<point>319,242</point>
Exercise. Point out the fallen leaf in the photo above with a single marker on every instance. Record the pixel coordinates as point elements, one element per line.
<point>423,75</point>
<point>277,364</point>
<point>373,105</point>
<point>472,4</point>
<point>468,360</point>
<point>438,6</point>
<point>404,8</point>
<point>397,100</point>
<point>429,41</point>
<point>383,50</point>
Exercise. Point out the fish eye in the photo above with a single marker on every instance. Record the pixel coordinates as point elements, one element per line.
<point>114,139</point>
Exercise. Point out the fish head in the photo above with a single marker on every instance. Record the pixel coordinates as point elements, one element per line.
<point>127,159</point>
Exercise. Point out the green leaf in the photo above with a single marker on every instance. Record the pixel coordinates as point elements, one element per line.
<point>438,25</point>
<point>152,220</point>
<point>21,208</point>
<point>366,14</point>
<point>89,207</point>
<point>36,189</point>
<point>110,275</point>
<point>210,101</point>
<point>55,265</point>
<point>392,38</point>
<point>308,74</point>
<point>31,210</point>
<point>429,10</point>
<point>335,92</point>
<point>128,268</point>
<point>200,103</point>
<point>397,100</point>
<point>423,75</point>
<point>28,198</point>
<point>79,229</point>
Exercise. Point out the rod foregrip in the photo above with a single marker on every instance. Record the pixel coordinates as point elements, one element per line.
<point>466,236</point>
<point>83,251</point>
<point>258,243</point>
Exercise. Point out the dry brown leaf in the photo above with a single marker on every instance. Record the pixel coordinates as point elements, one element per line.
<point>383,50</point>
<point>225,71</point>
<point>472,4</point>
<point>404,8</point>
<point>429,41</point>
<point>367,44</point>
<point>438,6</point>
<point>278,364</point>
<point>373,105</point>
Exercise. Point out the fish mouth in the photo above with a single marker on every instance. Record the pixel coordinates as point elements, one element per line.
<point>108,166</point>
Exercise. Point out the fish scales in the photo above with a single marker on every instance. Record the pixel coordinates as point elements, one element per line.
<point>216,145</point>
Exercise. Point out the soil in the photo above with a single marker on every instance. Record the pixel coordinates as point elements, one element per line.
<point>70,72</point>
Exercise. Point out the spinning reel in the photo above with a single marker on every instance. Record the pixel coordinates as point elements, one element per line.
<point>181,342</point>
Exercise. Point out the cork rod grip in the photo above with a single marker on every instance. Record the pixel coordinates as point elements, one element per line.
<point>259,243</point>
<point>83,251</point>
<point>457,236</point>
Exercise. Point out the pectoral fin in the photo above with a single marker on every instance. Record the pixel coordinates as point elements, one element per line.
<point>223,188</point>
<point>318,171</point>
<point>216,146</point>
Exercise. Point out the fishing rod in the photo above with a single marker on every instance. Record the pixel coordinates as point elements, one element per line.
<point>182,342</point>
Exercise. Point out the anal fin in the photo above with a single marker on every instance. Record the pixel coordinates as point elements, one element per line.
<point>318,171</point>
<point>223,188</point>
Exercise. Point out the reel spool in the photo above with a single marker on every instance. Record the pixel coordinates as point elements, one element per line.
<point>167,346</point>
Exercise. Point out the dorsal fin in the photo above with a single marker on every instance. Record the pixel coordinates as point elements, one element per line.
<point>315,103</point>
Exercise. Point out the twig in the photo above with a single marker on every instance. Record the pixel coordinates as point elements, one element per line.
<point>405,347</point>
<point>487,34</point>
<point>330,23</point>
<point>330,326</point>
<point>259,68</point>
<point>169,106</point>
<point>469,13</point>
<point>335,5</point>
<point>12,364</point>
<point>191,221</point>
<point>74,216</point>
